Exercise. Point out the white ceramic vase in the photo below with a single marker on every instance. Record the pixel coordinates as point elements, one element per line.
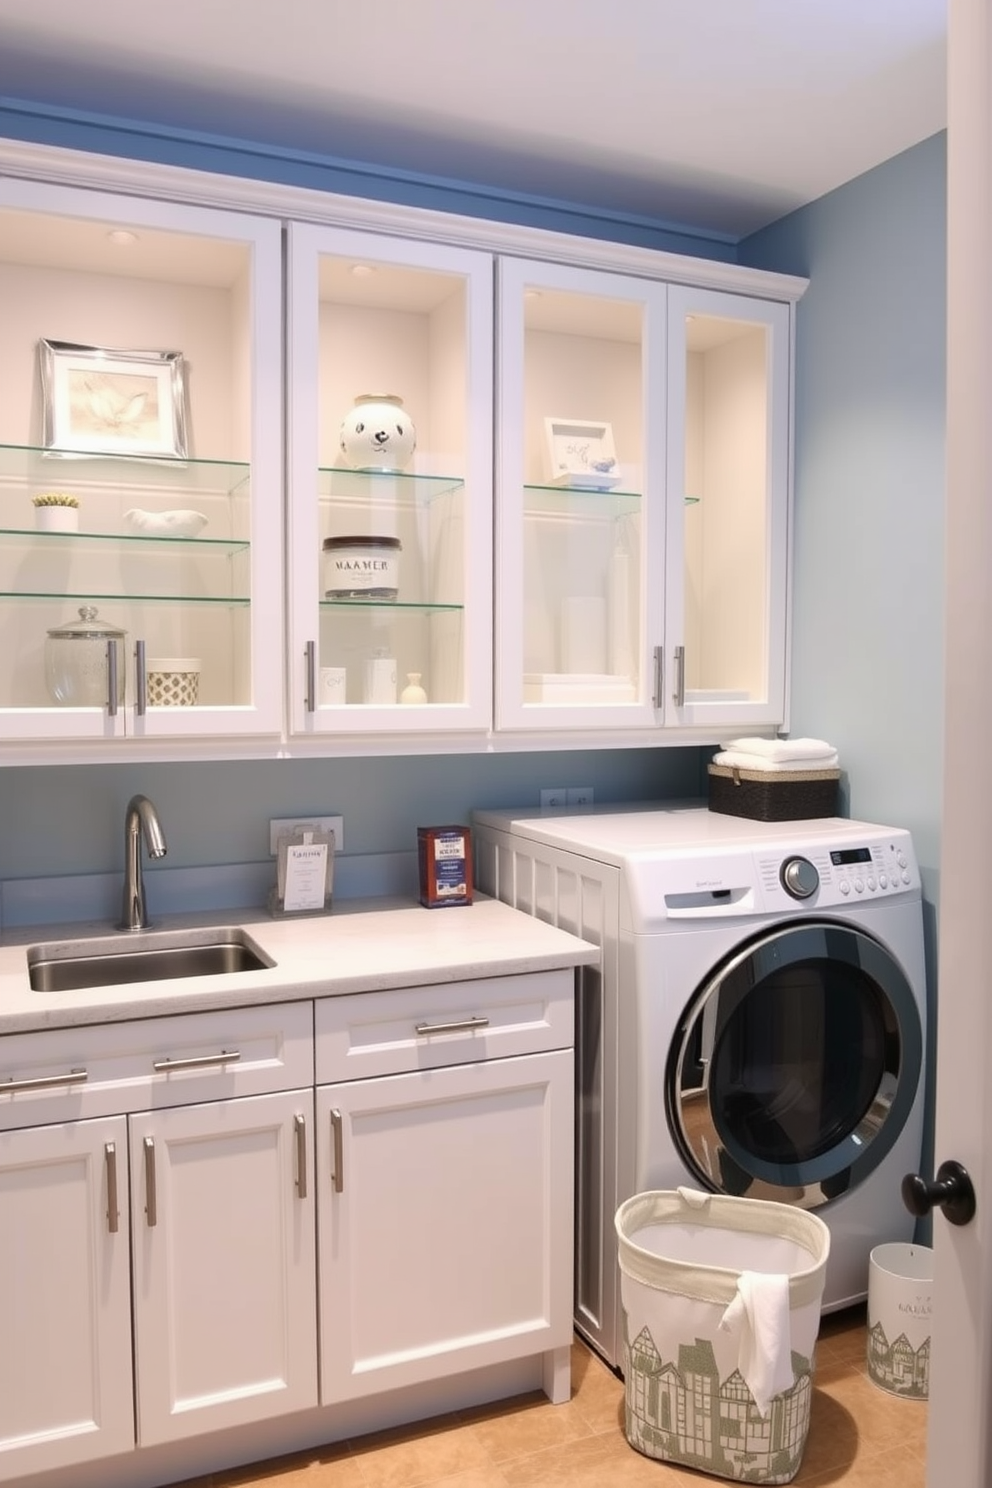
<point>413,692</point>
<point>378,434</point>
<point>56,518</point>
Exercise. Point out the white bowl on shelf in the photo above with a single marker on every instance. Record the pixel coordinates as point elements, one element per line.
<point>176,523</point>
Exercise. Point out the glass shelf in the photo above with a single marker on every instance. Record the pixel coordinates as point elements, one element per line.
<point>138,541</point>
<point>556,500</point>
<point>354,486</point>
<point>68,597</point>
<point>44,468</point>
<point>390,606</point>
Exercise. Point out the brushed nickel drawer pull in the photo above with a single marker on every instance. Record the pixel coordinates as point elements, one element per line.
<point>300,1123</point>
<point>337,1136</point>
<point>44,1082</point>
<point>459,1027</point>
<point>113,1214</point>
<point>196,1061</point>
<point>151,1204</point>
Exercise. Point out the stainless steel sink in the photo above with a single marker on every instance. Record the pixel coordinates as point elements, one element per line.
<point>146,957</point>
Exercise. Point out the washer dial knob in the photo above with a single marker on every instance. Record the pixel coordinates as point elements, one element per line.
<point>799,878</point>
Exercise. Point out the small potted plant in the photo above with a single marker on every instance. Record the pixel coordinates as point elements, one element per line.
<point>56,511</point>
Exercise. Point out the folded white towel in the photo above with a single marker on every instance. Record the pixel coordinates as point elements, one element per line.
<point>783,749</point>
<point>744,761</point>
<point>759,1318</point>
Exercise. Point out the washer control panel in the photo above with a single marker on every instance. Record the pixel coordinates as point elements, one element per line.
<point>839,873</point>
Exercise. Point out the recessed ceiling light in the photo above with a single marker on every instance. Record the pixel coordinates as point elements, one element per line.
<point>122,237</point>
<point>362,271</point>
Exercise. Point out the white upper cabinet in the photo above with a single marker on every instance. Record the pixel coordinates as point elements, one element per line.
<point>642,506</point>
<point>728,475</point>
<point>390,529</point>
<point>357,477</point>
<point>141,375</point>
<point>581,497</point>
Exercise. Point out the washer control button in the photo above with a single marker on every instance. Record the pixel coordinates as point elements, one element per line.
<point>799,878</point>
<point>883,882</point>
<point>871,884</point>
<point>845,887</point>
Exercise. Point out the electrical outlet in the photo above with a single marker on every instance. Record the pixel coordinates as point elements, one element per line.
<point>282,825</point>
<point>580,795</point>
<point>555,795</point>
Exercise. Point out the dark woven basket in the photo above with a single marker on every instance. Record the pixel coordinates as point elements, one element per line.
<point>765,796</point>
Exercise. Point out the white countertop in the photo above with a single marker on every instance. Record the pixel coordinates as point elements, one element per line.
<point>363,946</point>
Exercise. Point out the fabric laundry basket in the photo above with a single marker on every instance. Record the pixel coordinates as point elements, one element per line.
<point>900,1303</point>
<point>721,1309</point>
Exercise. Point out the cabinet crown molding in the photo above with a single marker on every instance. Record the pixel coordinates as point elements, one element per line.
<point>78,168</point>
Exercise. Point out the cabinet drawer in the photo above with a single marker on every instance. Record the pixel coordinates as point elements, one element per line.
<point>98,1070</point>
<point>415,1028</point>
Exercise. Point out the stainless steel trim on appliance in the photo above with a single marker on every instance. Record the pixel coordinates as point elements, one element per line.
<point>795,1065</point>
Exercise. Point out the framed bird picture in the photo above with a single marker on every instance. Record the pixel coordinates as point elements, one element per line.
<point>100,401</point>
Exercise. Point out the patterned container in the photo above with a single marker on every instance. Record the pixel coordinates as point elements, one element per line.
<point>173,681</point>
<point>684,1257</point>
<point>900,1286</point>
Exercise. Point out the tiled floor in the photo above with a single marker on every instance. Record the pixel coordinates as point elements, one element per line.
<point>859,1437</point>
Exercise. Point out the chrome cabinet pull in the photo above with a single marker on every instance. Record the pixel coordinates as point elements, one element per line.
<point>679,693</point>
<point>113,1215</point>
<point>43,1082</point>
<point>112,679</point>
<point>140,680</point>
<point>421,1029</point>
<point>311,678</point>
<point>659,677</point>
<point>300,1123</point>
<point>196,1061</point>
<point>151,1204</point>
<point>337,1137</point>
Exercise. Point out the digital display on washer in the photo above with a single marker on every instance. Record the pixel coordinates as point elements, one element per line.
<point>850,855</point>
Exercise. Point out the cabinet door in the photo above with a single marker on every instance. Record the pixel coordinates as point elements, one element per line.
<point>581,498</point>
<point>445,1221</point>
<point>406,646</point>
<point>728,470</point>
<point>140,372</point>
<point>65,1359</point>
<point>223,1241</point>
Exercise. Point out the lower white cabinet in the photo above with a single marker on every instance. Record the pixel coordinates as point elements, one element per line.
<point>439,1202</point>
<point>223,1247</point>
<point>200,1214</point>
<point>65,1296</point>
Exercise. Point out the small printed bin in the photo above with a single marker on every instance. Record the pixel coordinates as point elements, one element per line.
<point>900,1288</point>
<point>721,1308</point>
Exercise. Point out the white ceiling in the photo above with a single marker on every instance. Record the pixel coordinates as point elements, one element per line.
<point>719,114</point>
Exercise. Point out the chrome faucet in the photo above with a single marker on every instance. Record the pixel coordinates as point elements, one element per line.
<point>140,816</point>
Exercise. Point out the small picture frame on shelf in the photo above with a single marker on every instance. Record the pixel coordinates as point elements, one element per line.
<point>101,401</point>
<point>581,453</point>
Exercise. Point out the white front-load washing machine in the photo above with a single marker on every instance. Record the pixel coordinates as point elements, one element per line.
<point>755,1025</point>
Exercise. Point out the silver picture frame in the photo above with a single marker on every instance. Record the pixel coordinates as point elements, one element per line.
<point>99,400</point>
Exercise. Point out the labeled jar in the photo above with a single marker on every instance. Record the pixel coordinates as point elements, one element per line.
<point>77,655</point>
<point>362,567</point>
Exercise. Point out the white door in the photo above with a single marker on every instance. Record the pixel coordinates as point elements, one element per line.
<point>224,1264</point>
<point>961,1362</point>
<point>65,1355</point>
<point>421,1275</point>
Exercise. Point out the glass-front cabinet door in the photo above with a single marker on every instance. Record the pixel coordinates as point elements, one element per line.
<point>728,473</point>
<point>390,485</point>
<point>581,498</point>
<point>140,468</point>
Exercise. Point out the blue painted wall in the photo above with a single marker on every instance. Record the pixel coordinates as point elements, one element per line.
<point>867,658</point>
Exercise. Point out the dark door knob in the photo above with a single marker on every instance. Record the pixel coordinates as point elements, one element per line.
<point>952,1191</point>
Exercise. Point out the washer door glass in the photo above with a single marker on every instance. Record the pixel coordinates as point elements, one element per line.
<point>796,1065</point>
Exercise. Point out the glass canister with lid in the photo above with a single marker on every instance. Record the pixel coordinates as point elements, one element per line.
<point>78,661</point>
<point>362,568</point>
